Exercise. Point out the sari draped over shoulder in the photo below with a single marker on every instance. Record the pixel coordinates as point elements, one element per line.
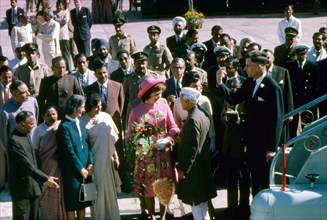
<point>103,134</point>
<point>52,200</point>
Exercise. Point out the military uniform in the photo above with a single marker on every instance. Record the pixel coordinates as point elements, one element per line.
<point>116,43</point>
<point>131,84</point>
<point>159,56</point>
<point>32,76</point>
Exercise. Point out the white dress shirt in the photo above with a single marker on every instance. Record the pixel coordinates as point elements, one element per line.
<point>291,22</point>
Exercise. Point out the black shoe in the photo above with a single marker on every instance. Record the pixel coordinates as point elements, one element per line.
<point>144,216</point>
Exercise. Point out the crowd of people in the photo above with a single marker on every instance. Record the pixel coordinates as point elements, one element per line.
<point>189,114</point>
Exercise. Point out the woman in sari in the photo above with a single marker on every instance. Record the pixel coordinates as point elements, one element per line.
<point>103,134</point>
<point>153,154</point>
<point>44,140</point>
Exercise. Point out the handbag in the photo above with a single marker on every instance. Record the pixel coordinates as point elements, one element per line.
<point>87,191</point>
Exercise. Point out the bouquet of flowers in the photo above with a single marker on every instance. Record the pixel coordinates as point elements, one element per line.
<point>193,18</point>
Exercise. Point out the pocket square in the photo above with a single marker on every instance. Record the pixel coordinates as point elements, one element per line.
<point>260,99</point>
<point>84,16</point>
<point>281,82</point>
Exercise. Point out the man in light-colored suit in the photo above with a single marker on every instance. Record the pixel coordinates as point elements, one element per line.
<point>22,32</point>
<point>62,16</point>
<point>85,76</point>
<point>49,34</point>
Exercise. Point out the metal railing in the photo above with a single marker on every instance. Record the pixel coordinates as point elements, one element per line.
<point>303,135</point>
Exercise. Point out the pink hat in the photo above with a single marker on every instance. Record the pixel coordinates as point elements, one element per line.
<point>147,83</point>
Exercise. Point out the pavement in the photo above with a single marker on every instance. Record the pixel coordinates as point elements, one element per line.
<point>262,27</point>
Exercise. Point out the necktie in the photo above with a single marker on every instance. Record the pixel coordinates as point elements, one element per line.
<point>13,16</point>
<point>317,54</point>
<point>5,94</point>
<point>84,81</point>
<point>301,66</point>
<point>77,12</point>
<point>178,89</point>
<point>253,87</point>
<point>105,98</point>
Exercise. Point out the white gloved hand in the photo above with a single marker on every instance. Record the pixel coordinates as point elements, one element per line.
<point>162,143</point>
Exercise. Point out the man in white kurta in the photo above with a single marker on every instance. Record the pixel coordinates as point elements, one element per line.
<point>22,32</point>
<point>49,34</point>
<point>289,21</point>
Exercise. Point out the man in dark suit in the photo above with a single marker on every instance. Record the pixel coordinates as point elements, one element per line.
<point>12,15</point>
<point>125,69</point>
<point>282,78</point>
<point>216,97</point>
<point>322,67</point>
<point>282,52</point>
<point>6,76</point>
<point>263,103</point>
<point>192,37</point>
<point>195,185</point>
<point>211,44</point>
<point>58,87</point>
<point>82,21</point>
<point>174,83</point>
<point>113,100</point>
<point>25,179</point>
<point>305,83</point>
<point>179,38</point>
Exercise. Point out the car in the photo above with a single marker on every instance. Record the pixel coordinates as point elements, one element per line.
<point>301,193</point>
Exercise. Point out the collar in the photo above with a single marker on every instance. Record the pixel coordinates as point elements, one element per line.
<point>290,19</point>
<point>259,80</point>
<point>3,86</point>
<point>271,68</point>
<point>298,62</point>
<point>105,84</point>
<point>124,36</point>
<point>157,45</point>
<point>36,67</point>
<point>72,119</point>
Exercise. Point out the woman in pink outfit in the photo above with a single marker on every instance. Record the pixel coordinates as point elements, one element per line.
<point>153,152</point>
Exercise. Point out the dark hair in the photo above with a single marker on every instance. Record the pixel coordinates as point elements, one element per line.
<point>254,44</point>
<point>98,65</point>
<point>15,85</point>
<point>317,34</point>
<point>224,35</point>
<point>155,88</point>
<point>289,5</point>
<point>122,51</point>
<point>257,57</point>
<point>57,59</point>
<point>191,32</point>
<point>60,2</point>
<point>47,106</point>
<point>190,77</point>
<point>80,55</point>
<point>73,103</point>
<point>3,58</point>
<point>5,69</point>
<point>216,27</point>
<point>92,100</point>
<point>268,51</point>
<point>23,116</point>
